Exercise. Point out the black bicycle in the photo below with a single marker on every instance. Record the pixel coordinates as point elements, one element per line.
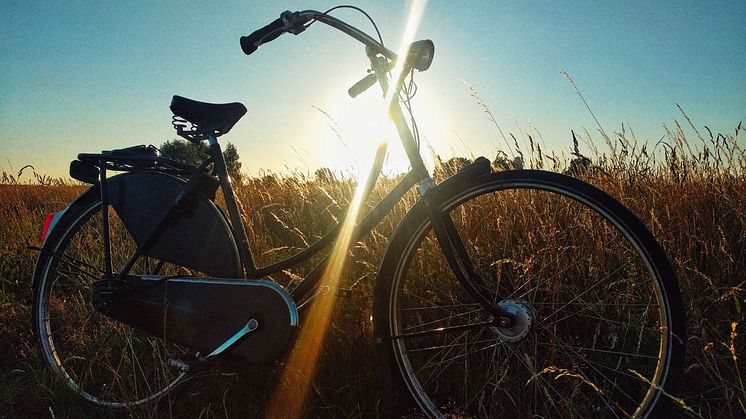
<point>517,291</point>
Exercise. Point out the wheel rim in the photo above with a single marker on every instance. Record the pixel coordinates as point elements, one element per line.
<point>109,364</point>
<point>568,354</point>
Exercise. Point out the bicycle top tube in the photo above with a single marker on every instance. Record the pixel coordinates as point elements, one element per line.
<point>297,22</point>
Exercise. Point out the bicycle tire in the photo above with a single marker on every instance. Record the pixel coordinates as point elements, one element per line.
<point>109,364</point>
<point>609,342</point>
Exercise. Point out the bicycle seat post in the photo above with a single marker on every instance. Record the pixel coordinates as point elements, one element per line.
<point>247,259</point>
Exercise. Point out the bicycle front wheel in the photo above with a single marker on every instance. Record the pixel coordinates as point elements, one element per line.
<point>108,363</point>
<point>599,320</point>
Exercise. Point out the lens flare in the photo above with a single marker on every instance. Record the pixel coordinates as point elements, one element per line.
<point>416,10</point>
<point>291,392</point>
<point>288,399</point>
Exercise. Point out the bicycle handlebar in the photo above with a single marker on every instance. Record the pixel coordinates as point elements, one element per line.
<point>270,32</point>
<point>295,22</point>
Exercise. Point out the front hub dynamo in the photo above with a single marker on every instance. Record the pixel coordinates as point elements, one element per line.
<point>525,319</point>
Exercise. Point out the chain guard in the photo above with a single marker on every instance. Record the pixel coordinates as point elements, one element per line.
<point>203,313</point>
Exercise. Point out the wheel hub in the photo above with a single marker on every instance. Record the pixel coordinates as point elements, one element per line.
<point>525,320</point>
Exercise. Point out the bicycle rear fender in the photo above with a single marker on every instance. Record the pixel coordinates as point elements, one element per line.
<point>196,235</point>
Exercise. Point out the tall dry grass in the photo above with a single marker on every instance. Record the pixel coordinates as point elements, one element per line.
<point>689,188</point>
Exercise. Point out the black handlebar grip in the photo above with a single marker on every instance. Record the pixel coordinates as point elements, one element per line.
<point>362,85</point>
<point>250,43</point>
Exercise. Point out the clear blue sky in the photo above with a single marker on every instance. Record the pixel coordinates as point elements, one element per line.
<point>85,76</point>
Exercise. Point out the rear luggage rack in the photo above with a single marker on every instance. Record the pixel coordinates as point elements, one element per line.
<point>88,165</point>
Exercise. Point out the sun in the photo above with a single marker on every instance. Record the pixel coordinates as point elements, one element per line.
<point>354,128</point>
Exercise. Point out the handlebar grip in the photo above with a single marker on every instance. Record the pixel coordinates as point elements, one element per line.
<point>250,43</point>
<point>362,85</point>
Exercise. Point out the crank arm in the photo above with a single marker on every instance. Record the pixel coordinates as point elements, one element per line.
<point>250,326</point>
<point>187,365</point>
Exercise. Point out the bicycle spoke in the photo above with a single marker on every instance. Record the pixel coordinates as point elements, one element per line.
<point>75,264</point>
<point>605,320</point>
<point>440,307</point>
<point>444,350</point>
<point>552,263</point>
<point>591,306</point>
<point>590,363</point>
<point>586,291</point>
<point>535,375</point>
<point>443,330</point>
<point>453,344</point>
<point>583,348</point>
<point>448,319</point>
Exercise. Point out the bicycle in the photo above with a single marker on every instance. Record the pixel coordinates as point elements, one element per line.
<point>556,300</point>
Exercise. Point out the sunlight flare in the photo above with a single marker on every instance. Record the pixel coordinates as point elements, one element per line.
<point>354,129</point>
<point>416,10</point>
<point>290,395</point>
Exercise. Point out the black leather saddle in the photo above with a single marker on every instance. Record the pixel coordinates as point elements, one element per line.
<point>206,118</point>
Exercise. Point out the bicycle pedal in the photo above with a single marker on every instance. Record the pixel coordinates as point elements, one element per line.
<point>187,364</point>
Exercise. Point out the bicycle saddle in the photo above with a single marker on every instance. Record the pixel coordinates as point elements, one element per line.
<point>207,118</point>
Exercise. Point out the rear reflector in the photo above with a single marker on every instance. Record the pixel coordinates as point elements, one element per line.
<point>49,223</point>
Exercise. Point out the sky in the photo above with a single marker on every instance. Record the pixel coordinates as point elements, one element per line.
<point>85,76</point>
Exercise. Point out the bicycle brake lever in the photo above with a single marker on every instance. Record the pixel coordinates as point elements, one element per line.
<point>366,82</point>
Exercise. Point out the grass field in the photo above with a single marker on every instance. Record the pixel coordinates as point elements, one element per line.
<point>689,190</point>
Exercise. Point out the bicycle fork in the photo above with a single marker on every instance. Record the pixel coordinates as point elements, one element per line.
<point>448,237</point>
<point>453,248</point>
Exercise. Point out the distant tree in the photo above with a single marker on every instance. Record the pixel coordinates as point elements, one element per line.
<point>502,162</point>
<point>579,166</point>
<point>185,151</point>
<point>194,153</point>
<point>444,169</point>
<point>230,154</point>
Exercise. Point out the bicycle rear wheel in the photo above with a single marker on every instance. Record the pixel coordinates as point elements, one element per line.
<point>108,363</point>
<point>600,324</point>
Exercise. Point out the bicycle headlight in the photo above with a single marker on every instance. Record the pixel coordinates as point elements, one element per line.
<point>421,54</point>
